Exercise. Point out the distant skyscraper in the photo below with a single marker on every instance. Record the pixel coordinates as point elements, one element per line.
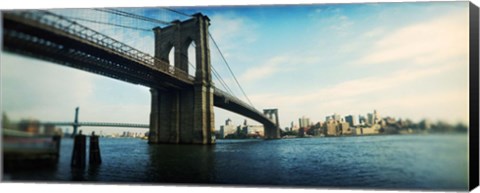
<point>228,121</point>
<point>362,120</point>
<point>221,132</point>
<point>228,128</point>
<point>376,117</point>
<point>350,120</point>
<point>331,129</point>
<point>328,118</point>
<point>304,122</point>
<point>337,117</point>
<point>370,119</point>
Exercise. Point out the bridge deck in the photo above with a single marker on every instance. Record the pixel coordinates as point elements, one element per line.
<point>47,36</point>
<point>44,35</point>
<point>98,124</point>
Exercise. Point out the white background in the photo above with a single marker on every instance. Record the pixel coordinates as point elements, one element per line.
<point>73,188</point>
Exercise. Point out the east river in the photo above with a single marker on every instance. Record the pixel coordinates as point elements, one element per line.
<point>414,162</point>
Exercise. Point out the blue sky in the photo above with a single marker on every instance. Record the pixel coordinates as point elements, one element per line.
<point>407,60</point>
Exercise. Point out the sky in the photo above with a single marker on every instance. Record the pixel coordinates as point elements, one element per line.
<point>406,60</point>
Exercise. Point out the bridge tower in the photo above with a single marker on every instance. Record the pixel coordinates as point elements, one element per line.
<point>272,131</point>
<point>75,122</point>
<point>184,115</point>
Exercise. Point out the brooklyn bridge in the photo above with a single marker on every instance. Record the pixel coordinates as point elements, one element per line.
<point>182,101</point>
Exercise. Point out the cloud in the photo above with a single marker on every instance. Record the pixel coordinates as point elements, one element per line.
<point>271,67</point>
<point>333,19</point>
<point>364,94</point>
<point>362,86</point>
<point>375,32</point>
<point>232,32</point>
<point>278,64</point>
<point>49,92</point>
<point>449,105</point>
<point>32,88</point>
<point>422,43</point>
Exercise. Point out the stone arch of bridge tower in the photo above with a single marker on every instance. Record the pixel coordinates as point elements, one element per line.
<point>166,48</point>
<point>190,57</point>
<point>171,56</point>
<point>181,35</point>
<point>184,115</point>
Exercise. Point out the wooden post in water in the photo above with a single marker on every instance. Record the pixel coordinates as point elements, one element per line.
<point>57,138</point>
<point>94,156</point>
<point>79,151</point>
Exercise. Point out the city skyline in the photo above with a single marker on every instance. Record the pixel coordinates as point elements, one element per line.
<point>314,61</point>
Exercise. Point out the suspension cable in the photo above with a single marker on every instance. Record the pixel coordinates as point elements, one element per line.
<point>178,12</point>
<point>134,16</point>
<point>131,15</point>
<point>225,85</point>
<point>216,74</point>
<point>229,69</point>
<point>106,23</point>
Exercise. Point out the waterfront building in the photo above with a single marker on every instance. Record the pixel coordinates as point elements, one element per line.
<point>252,129</point>
<point>244,129</point>
<point>376,117</point>
<point>220,133</point>
<point>350,119</point>
<point>304,122</point>
<point>30,126</point>
<point>228,128</point>
<point>425,124</point>
<point>344,127</point>
<point>337,117</point>
<point>369,119</point>
<point>328,118</point>
<point>390,121</point>
<point>301,132</point>
<point>332,129</point>
<point>295,128</point>
<point>362,120</point>
<point>334,117</point>
<point>374,129</point>
<point>256,129</point>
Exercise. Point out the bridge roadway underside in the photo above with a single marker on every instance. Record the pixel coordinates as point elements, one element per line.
<point>57,47</point>
<point>271,130</point>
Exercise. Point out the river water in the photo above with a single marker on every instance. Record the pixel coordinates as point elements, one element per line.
<point>415,162</point>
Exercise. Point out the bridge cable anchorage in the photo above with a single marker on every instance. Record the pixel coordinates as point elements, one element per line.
<point>229,69</point>
<point>106,23</point>
<point>216,74</point>
<point>131,15</point>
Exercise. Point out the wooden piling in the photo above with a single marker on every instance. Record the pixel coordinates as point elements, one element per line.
<point>79,151</point>
<point>94,156</point>
<point>57,139</point>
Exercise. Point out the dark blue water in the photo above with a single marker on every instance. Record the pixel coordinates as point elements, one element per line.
<point>434,162</point>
